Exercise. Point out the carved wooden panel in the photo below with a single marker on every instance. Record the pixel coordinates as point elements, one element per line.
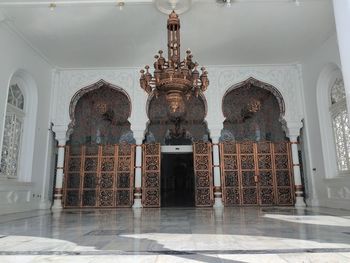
<point>151,175</point>
<point>256,173</point>
<point>202,157</point>
<point>283,168</point>
<point>264,172</point>
<point>99,176</point>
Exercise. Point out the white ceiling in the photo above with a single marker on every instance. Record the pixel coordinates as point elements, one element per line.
<point>252,32</point>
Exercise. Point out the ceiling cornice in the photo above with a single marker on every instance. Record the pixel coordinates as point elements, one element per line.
<point>21,3</point>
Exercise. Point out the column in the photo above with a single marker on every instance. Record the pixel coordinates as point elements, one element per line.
<point>342,21</point>
<point>57,203</point>
<point>299,194</point>
<point>216,170</point>
<point>138,173</point>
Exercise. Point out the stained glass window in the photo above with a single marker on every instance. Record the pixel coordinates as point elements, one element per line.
<point>341,125</point>
<point>12,133</point>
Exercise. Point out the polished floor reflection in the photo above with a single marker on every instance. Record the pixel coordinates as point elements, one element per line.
<point>177,235</point>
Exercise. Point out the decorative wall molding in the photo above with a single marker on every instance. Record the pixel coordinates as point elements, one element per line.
<point>17,197</point>
<point>338,192</point>
<point>285,78</point>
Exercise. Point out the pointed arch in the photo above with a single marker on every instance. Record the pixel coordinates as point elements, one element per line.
<point>253,110</point>
<point>101,85</point>
<point>260,84</point>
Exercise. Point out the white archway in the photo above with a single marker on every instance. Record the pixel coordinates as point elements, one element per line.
<point>28,87</point>
<point>326,78</point>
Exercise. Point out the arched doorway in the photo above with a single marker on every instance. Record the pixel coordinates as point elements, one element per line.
<point>99,165</point>
<point>255,153</point>
<point>176,183</point>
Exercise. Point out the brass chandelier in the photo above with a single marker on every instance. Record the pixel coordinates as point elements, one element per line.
<point>174,78</point>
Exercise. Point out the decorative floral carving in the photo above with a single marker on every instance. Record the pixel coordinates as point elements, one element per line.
<point>106,198</point>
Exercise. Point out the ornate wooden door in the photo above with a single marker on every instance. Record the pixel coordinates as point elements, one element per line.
<point>230,173</point>
<point>151,175</point>
<point>202,158</point>
<point>256,173</point>
<point>99,176</point>
<point>283,170</point>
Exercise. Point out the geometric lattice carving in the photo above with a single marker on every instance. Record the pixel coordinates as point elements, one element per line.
<point>13,129</point>
<point>256,173</point>
<point>338,91</point>
<point>99,176</point>
<point>341,125</point>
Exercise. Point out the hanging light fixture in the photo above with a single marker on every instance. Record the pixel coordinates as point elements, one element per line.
<point>174,78</point>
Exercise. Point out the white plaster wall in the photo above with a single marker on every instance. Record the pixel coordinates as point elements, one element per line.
<point>286,78</point>
<point>16,54</point>
<point>325,192</point>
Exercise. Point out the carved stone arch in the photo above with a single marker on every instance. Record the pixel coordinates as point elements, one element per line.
<point>96,87</point>
<point>246,100</point>
<point>193,124</point>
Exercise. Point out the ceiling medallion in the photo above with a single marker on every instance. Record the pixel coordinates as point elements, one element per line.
<point>174,78</point>
<point>167,6</point>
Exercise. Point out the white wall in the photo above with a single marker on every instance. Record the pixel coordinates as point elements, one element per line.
<point>16,54</point>
<point>325,190</point>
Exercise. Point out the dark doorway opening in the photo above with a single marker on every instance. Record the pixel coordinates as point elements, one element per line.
<point>177,180</point>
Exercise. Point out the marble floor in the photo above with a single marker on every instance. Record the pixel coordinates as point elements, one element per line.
<point>177,235</point>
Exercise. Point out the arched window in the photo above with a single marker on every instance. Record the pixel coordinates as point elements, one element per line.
<point>13,133</point>
<point>340,125</point>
